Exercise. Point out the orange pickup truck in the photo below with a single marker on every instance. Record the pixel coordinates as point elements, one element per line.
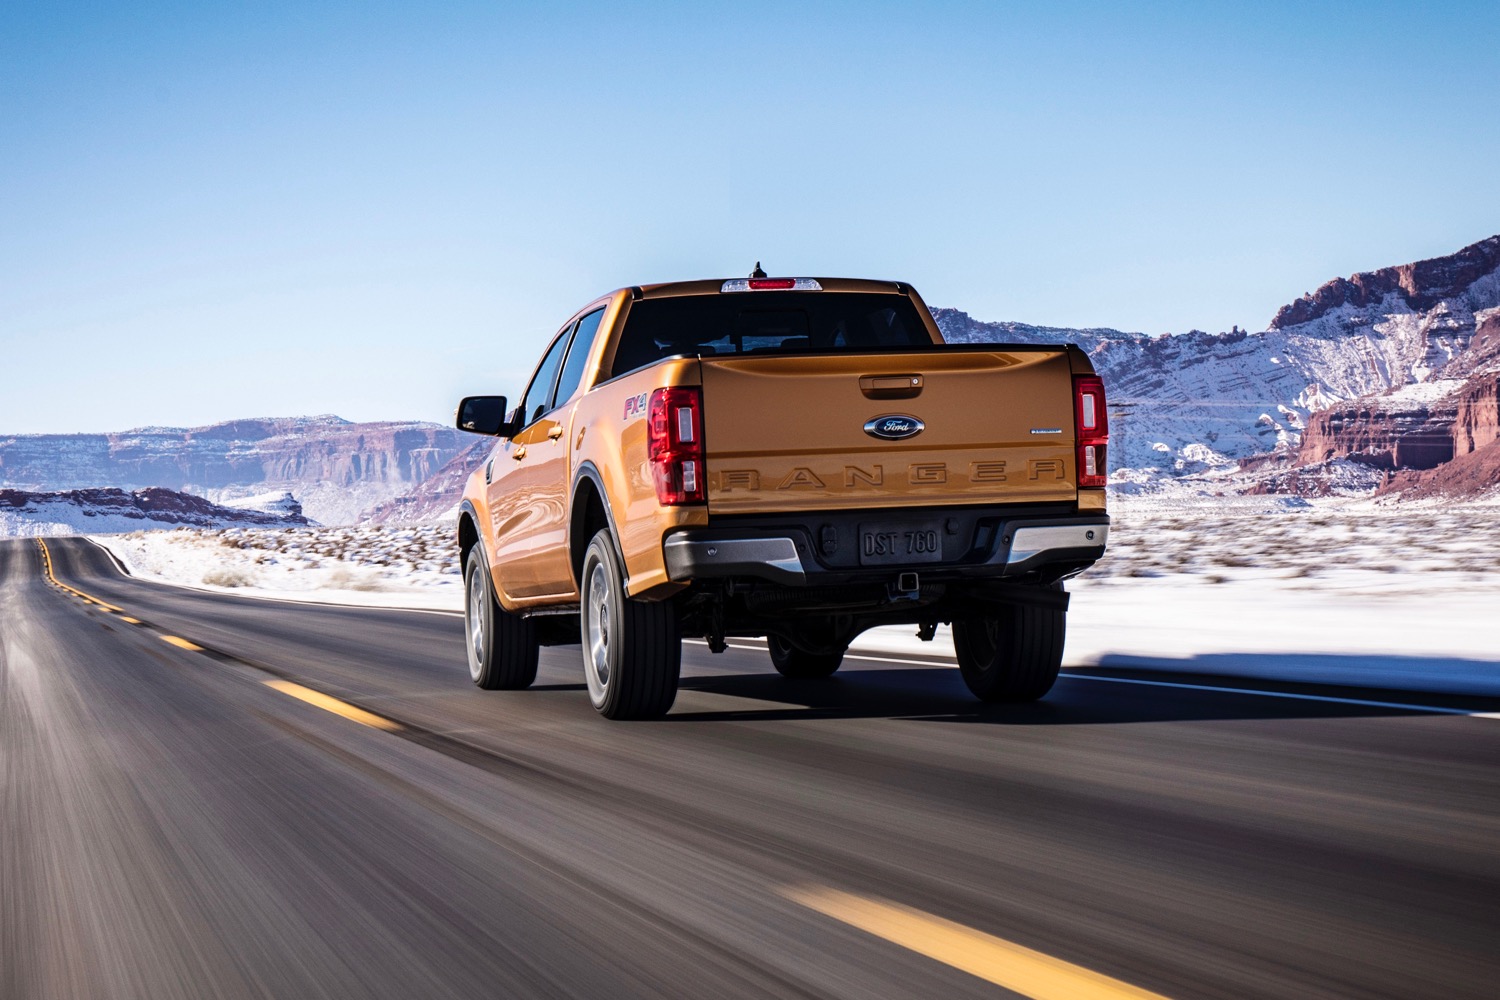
<point>795,458</point>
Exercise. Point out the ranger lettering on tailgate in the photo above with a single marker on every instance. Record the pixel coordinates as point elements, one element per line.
<point>930,473</point>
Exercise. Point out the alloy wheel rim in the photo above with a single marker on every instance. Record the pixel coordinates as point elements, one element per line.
<point>599,625</point>
<point>476,622</point>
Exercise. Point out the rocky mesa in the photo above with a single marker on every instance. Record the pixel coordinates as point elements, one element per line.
<point>1435,437</point>
<point>336,468</point>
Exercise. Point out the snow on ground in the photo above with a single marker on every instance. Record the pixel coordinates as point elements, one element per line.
<point>1422,393</point>
<point>414,567</point>
<point>1278,587</point>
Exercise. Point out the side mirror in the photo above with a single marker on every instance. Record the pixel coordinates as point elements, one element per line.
<point>483,415</point>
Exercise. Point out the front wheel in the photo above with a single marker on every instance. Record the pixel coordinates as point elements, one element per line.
<point>632,650</point>
<point>1013,654</point>
<point>502,647</point>
<point>799,664</point>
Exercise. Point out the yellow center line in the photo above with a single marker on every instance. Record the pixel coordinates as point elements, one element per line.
<point>331,704</point>
<point>181,642</point>
<point>129,620</point>
<point>1004,963</point>
<point>87,598</point>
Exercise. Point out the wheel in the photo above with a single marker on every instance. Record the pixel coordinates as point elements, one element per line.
<point>502,646</point>
<point>632,650</point>
<point>1012,655</point>
<point>800,664</point>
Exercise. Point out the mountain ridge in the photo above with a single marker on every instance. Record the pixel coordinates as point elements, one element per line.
<point>1422,284</point>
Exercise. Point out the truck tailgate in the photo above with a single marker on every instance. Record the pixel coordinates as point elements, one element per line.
<point>789,433</point>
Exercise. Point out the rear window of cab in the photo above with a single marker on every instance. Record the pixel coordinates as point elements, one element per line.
<point>766,323</point>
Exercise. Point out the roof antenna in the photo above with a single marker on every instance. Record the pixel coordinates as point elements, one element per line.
<point>757,273</point>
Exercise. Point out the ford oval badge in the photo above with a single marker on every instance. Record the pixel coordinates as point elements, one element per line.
<point>894,426</point>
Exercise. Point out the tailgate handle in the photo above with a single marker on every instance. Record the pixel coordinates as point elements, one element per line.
<point>890,386</point>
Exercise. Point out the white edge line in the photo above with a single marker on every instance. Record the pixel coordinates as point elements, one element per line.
<point>119,563</point>
<point>1286,694</point>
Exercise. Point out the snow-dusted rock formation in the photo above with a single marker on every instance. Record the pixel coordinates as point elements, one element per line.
<point>1381,357</point>
<point>104,511</point>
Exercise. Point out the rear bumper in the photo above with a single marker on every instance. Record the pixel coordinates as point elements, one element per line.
<point>704,553</point>
<point>979,545</point>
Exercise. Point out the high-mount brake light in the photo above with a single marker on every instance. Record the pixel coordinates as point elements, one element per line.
<point>1091,424</point>
<point>674,436</point>
<point>771,285</point>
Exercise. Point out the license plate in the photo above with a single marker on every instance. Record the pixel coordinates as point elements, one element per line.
<point>895,544</point>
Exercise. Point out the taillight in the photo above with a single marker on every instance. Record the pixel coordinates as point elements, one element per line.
<point>1091,424</point>
<point>674,431</point>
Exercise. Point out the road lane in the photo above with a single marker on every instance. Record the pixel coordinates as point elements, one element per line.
<point>174,831</point>
<point>1189,843</point>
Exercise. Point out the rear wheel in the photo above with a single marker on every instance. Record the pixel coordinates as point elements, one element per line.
<point>800,664</point>
<point>502,646</point>
<point>632,650</point>
<point>1013,654</point>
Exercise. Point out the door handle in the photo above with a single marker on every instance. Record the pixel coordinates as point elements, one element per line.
<point>891,386</point>
<point>519,453</point>
<point>556,432</point>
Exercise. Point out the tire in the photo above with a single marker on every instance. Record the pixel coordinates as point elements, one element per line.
<point>799,664</point>
<point>502,646</point>
<point>1012,655</point>
<point>632,650</point>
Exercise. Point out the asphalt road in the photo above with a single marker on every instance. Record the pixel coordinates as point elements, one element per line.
<point>184,822</point>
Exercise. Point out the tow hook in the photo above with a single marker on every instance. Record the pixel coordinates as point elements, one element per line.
<point>906,588</point>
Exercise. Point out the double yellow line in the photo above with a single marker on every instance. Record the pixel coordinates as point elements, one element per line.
<point>86,598</point>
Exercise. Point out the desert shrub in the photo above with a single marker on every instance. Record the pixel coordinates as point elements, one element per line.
<point>228,576</point>
<point>343,579</point>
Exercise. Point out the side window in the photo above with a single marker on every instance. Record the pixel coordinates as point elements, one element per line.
<point>583,340</point>
<point>539,393</point>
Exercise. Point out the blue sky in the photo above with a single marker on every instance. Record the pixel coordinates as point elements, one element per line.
<point>215,211</point>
